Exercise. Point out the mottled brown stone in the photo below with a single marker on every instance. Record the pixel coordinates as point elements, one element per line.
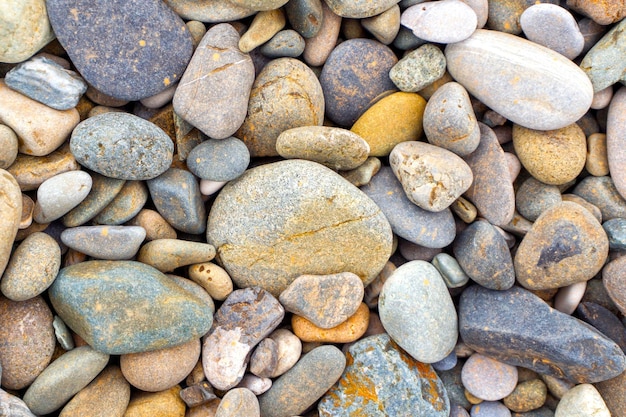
<point>348,331</point>
<point>31,171</point>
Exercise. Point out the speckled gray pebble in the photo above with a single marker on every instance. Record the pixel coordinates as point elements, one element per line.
<point>219,159</point>
<point>534,197</point>
<point>601,192</point>
<point>103,191</point>
<point>105,242</point>
<point>490,409</point>
<point>605,63</point>
<point>616,231</point>
<point>56,196</point>
<point>286,43</point>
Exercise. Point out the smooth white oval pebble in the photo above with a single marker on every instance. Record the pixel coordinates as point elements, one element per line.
<point>440,21</point>
<point>553,27</point>
<point>58,195</point>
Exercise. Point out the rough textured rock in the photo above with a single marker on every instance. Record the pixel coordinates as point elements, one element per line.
<point>604,320</point>
<point>328,216</point>
<point>582,400</point>
<point>25,29</point>
<point>348,331</point>
<point>613,393</point>
<point>418,69</point>
<point>518,328</point>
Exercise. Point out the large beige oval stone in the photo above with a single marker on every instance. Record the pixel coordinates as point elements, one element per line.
<point>282,220</point>
<point>24,29</point>
<point>528,84</point>
<point>11,209</point>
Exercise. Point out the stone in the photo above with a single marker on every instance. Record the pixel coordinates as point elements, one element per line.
<point>490,409</point>
<point>245,318</point>
<point>613,278</point>
<point>360,8</point>
<point>63,335</point>
<point>145,305</point>
<point>431,177</point>
<point>534,197</point>
<point>393,119</point>
<point>612,392</point>
<point>264,26</point>
<point>305,16</point>
<point>103,191</point>
<point>566,245</point>
<point>11,207</point>
<point>437,22</point>
<point>483,254</point>
<point>604,320</point>
<point>551,156</point>
<point>27,339</point>
<point>255,384</point>
<point>615,139</point>
<point>425,228</point>
<point>601,192</point>
<point>156,404</point>
<point>151,54</point>
<point>213,278</point>
<point>286,94</point>
<point>31,171</point>
<point>528,92</point>
<point>406,305</point>
<point>453,384</point>
<point>518,328</point>
<point>449,120</point>
<point>451,272</point>
<point>382,380</point>
<point>106,396</point>
<point>257,241</point>
<point>616,232</point>
<point>47,82</point>
<point>582,400</point>
<point>32,268</point>
<point>63,378</point>
<point>125,205</point>
<point>492,190</point>
<point>105,242</point>
<point>334,147</point>
<point>56,196</point>
<point>299,388</point>
<point>545,23</point>
<point>604,63</point>
<point>195,289</point>
<point>264,358</point>
<point>122,146</point>
<point>210,12</point>
<point>602,98</point>
<point>13,406</point>
<point>479,368</point>
<point>168,254</point>
<point>527,396</point>
<point>354,76</point>
<point>317,48</point>
<point>603,14</point>
<point>25,30</point>
<point>197,394</point>
<point>446,363</point>
<point>219,160</point>
<point>289,350</point>
<point>362,174</point>
<point>41,129</point>
<point>213,92</point>
<point>418,68</point>
<point>385,26</point>
<point>239,402</point>
<point>567,299</point>
<point>160,370</point>
<point>597,162</point>
<point>348,331</point>
<point>9,144</point>
<point>326,300</point>
<point>154,224</point>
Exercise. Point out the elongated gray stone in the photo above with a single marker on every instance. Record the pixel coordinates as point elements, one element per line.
<point>616,140</point>
<point>605,63</point>
<point>105,242</point>
<point>528,84</point>
<point>518,328</point>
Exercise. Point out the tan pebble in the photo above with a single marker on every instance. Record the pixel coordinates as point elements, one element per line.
<point>155,225</point>
<point>362,174</point>
<point>31,171</point>
<point>514,165</point>
<point>318,48</point>
<point>309,346</point>
<point>568,298</point>
<point>73,257</point>
<point>27,211</point>
<point>472,398</point>
<point>9,145</point>
<point>11,209</point>
<point>213,278</point>
<point>464,209</point>
<point>348,331</point>
<point>159,370</point>
<point>525,374</point>
<point>239,402</point>
<point>462,350</point>
<point>597,163</point>
<point>593,209</point>
<point>169,254</point>
<point>98,110</point>
<point>33,228</point>
<point>102,99</point>
<point>84,106</point>
<point>546,295</point>
<point>602,98</point>
<point>557,387</point>
<point>384,26</point>
<point>197,31</point>
<point>156,404</point>
<point>289,350</point>
<point>265,25</point>
<point>205,410</point>
<point>527,396</point>
<point>160,99</point>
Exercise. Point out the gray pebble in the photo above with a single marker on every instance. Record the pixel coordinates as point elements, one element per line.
<point>105,242</point>
<point>103,191</point>
<point>616,231</point>
<point>605,62</point>
<point>305,16</point>
<point>418,68</point>
<point>58,195</point>
<point>441,22</point>
<point>62,333</point>
<point>286,43</point>
<point>219,159</point>
<point>601,192</point>
<point>125,205</point>
<point>554,27</point>
<point>450,270</point>
<point>534,197</point>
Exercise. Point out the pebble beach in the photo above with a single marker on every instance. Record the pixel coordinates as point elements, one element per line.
<point>312,208</point>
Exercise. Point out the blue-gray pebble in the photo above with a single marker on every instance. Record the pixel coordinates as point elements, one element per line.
<point>219,159</point>
<point>105,242</point>
<point>616,231</point>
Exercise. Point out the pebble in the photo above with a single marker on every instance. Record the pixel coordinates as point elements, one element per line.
<point>601,13</point>
<point>209,12</point>
<point>354,75</point>
<point>164,97</point>
<point>13,406</point>
<point>412,252</point>
<point>151,54</point>
<point>534,197</point>
<point>424,228</point>
<point>141,310</point>
<point>213,93</point>
<point>406,305</point>
<point>41,129</point>
<point>552,156</point>
<point>312,376</point>
<point>239,402</point>
<point>566,245</point>
<point>597,163</point>
<point>122,146</point>
<point>602,98</point>
<point>26,30</point>
<point>601,192</point>
<point>213,278</point>
<point>431,177</point>
<point>63,378</point>
<point>363,174</point>
<point>616,232</point>
<point>245,318</point>
<point>168,254</point>
<point>56,196</point>
<point>125,205</point>
<point>103,191</point>
<point>384,26</point>
<point>393,119</point>
<point>479,368</point>
<point>612,392</point>
<point>453,384</point>
<point>286,43</point>
<point>63,335</point>
<point>27,339</point>
<point>612,278</point>
<point>615,139</point>
<point>604,320</point>
<point>489,322</point>
<point>356,238</point>
<point>156,404</point>
<point>32,268</point>
<point>154,224</point>
<point>458,411</point>
<point>106,396</point>
<point>264,358</point>
<point>554,27</point>
<point>360,8</point>
<point>446,363</point>
<point>492,190</point>
<point>527,396</point>
<point>418,69</point>
<point>285,94</point>
<point>348,331</point>
<point>451,272</point>
<point>159,370</point>
<point>264,26</point>
<point>603,64</point>
<point>437,22</point>
<point>31,171</point>
<point>490,409</point>
<point>326,300</point>
<point>567,299</point>
<point>197,394</point>
<point>289,350</point>
<point>176,195</point>
<point>566,92</point>
<point>305,16</point>
<point>336,148</point>
<point>582,400</point>
<point>9,144</point>
<point>255,384</point>
<point>105,242</point>
<point>482,252</point>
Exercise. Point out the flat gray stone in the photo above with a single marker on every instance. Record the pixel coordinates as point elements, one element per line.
<point>219,159</point>
<point>56,196</point>
<point>605,63</point>
<point>105,242</point>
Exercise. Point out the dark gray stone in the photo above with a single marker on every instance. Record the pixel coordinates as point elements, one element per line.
<point>518,328</point>
<point>534,197</point>
<point>616,232</point>
<point>128,49</point>
<point>540,412</point>
<point>601,192</point>
<point>603,320</point>
<point>305,16</point>
<point>103,191</point>
<point>219,159</point>
<point>424,228</point>
<point>454,385</point>
<point>176,195</point>
<point>382,380</point>
<point>123,146</point>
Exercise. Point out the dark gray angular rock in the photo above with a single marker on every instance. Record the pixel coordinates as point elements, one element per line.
<point>518,328</point>
<point>603,320</point>
<point>128,49</point>
<point>47,82</point>
<point>484,255</point>
<point>219,159</point>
